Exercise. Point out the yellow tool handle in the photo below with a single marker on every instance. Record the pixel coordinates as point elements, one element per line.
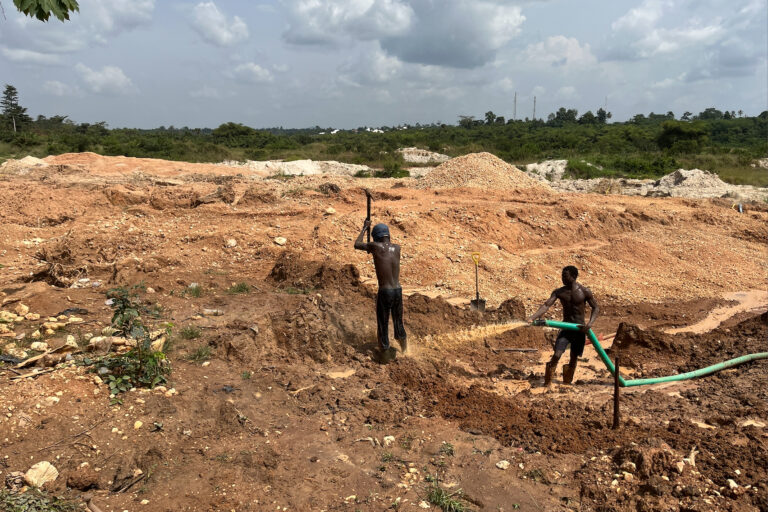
<point>476,258</point>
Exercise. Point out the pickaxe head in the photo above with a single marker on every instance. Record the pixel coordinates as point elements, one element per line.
<point>368,193</point>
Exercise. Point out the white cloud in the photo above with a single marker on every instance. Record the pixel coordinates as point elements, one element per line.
<point>560,51</point>
<point>450,33</point>
<point>214,27</point>
<point>375,67</point>
<point>108,80</point>
<point>252,73</point>
<point>60,89</point>
<point>281,68</point>
<point>22,56</point>
<point>325,22</point>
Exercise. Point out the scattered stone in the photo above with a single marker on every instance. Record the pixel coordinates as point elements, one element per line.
<point>40,474</point>
<point>21,309</point>
<point>732,485</point>
<point>71,342</point>
<point>137,425</point>
<point>231,243</point>
<point>628,476</point>
<point>389,440</point>
<point>38,346</point>
<point>14,481</point>
<point>281,241</point>
<point>36,335</point>
<point>330,210</point>
<point>503,464</point>
<point>212,312</point>
<point>32,317</point>
<point>51,400</point>
<point>423,504</point>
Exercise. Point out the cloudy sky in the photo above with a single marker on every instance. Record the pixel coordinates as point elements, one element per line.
<point>350,63</point>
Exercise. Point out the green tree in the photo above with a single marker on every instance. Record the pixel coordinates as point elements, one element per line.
<point>490,117</point>
<point>14,115</point>
<point>466,121</point>
<point>588,118</point>
<point>603,116</point>
<point>42,9</point>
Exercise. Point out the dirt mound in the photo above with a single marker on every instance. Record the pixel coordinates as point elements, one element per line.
<point>691,178</point>
<point>638,346</point>
<point>479,170</point>
<point>422,156</point>
<point>22,166</point>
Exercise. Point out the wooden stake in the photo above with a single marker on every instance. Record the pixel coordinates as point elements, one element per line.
<point>616,415</point>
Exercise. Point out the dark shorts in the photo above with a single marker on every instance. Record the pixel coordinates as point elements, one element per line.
<point>389,300</point>
<point>576,339</point>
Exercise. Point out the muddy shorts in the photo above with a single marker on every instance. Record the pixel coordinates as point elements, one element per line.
<point>389,300</point>
<point>576,339</point>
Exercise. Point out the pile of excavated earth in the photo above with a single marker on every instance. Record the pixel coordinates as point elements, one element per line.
<point>251,287</point>
<point>680,183</point>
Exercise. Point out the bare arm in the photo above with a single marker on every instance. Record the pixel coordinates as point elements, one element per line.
<point>359,244</point>
<point>592,304</point>
<point>544,308</point>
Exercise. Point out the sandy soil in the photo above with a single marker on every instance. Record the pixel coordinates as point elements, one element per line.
<point>292,414</point>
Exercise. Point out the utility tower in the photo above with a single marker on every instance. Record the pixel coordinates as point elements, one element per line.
<point>534,108</point>
<point>514,111</point>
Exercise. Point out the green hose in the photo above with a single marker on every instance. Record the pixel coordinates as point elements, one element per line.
<point>640,382</point>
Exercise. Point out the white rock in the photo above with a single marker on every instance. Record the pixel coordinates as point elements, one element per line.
<point>281,241</point>
<point>732,484</point>
<point>137,425</point>
<point>231,243</point>
<point>330,210</point>
<point>40,474</point>
<point>71,342</point>
<point>21,309</point>
<point>39,346</point>
<point>502,464</point>
<point>424,505</point>
<point>389,440</point>
<point>51,400</point>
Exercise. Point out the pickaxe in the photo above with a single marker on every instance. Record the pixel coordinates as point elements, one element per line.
<point>369,198</point>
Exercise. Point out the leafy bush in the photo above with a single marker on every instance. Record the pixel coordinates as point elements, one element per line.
<point>239,288</point>
<point>34,500</point>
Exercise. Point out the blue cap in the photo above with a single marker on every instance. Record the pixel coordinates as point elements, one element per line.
<point>379,231</point>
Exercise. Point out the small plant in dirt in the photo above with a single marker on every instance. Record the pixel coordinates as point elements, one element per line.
<point>246,375</point>
<point>406,442</point>
<point>195,291</point>
<point>201,354</point>
<point>34,500</point>
<point>190,332</point>
<point>447,501</point>
<point>126,319</point>
<point>142,366</point>
<point>387,457</point>
<point>446,449</point>
<point>239,288</point>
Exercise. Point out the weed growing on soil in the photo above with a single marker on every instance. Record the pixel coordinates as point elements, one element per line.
<point>190,332</point>
<point>246,375</point>
<point>34,500</point>
<point>446,449</point>
<point>200,355</point>
<point>126,319</point>
<point>448,502</point>
<point>139,367</point>
<point>239,288</point>
<point>195,291</point>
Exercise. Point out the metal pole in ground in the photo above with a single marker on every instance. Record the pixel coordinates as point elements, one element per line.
<point>616,388</point>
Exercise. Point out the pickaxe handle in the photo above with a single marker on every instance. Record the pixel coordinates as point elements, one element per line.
<point>368,217</point>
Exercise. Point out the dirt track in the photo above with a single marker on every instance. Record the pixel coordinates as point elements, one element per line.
<point>306,430</point>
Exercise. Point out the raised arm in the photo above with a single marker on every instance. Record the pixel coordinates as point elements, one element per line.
<point>359,244</point>
<point>593,305</point>
<point>544,308</point>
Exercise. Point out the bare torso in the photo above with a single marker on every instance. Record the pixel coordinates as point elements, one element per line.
<point>386,258</point>
<point>573,298</point>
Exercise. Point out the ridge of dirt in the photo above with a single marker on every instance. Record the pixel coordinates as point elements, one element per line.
<point>479,170</point>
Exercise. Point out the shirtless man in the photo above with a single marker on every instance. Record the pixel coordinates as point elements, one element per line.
<point>386,259</point>
<point>573,295</point>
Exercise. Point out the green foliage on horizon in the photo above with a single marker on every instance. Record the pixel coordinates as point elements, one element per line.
<point>644,146</point>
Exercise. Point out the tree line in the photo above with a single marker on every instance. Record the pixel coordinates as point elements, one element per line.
<point>644,146</point>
